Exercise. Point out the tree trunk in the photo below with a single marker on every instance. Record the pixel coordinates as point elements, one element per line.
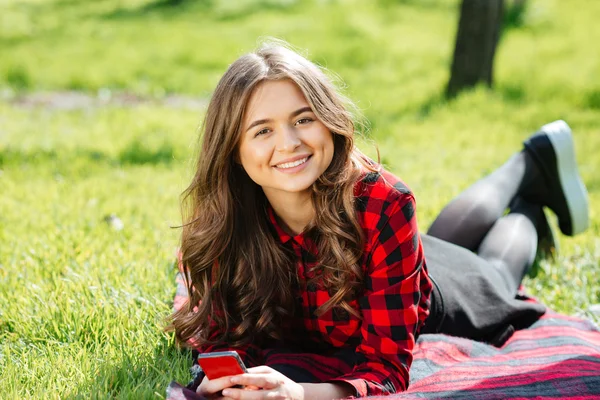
<point>478,32</point>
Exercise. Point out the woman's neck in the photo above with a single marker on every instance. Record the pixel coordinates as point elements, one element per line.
<point>294,209</point>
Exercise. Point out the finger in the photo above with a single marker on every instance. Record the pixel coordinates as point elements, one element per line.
<point>241,394</point>
<point>264,381</point>
<point>212,386</point>
<point>262,369</point>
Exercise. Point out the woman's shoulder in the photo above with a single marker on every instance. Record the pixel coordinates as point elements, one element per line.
<point>381,186</point>
<point>379,196</point>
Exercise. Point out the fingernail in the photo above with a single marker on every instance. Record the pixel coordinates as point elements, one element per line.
<point>226,392</point>
<point>235,379</point>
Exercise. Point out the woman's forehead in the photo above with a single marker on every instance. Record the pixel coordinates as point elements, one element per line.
<point>273,99</point>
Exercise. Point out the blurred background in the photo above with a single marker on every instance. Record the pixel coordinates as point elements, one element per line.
<point>100,103</point>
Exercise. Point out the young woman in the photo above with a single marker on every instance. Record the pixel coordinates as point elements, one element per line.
<point>304,256</point>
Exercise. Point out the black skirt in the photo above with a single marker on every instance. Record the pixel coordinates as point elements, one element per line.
<point>469,297</point>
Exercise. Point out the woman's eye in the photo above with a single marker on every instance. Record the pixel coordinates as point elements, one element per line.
<point>262,132</point>
<point>303,121</point>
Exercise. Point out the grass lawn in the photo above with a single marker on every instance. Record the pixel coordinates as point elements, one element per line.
<point>82,304</point>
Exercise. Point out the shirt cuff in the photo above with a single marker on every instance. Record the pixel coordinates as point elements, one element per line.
<point>372,384</point>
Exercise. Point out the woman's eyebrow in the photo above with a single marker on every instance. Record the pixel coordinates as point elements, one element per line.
<point>264,121</point>
<point>257,122</point>
<point>300,111</point>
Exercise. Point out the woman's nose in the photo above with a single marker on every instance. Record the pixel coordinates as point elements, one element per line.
<point>288,139</point>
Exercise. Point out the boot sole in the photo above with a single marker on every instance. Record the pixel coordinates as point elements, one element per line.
<point>559,134</point>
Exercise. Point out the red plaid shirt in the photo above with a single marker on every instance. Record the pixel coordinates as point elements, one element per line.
<point>374,353</point>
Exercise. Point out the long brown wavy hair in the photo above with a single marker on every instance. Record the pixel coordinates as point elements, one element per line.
<point>237,273</point>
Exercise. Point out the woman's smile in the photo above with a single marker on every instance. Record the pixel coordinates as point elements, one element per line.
<point>294,165</point>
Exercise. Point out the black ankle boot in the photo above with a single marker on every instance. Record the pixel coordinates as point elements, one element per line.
<point>553,151</point>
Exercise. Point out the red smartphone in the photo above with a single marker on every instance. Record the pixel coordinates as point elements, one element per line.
<point>221,363</point>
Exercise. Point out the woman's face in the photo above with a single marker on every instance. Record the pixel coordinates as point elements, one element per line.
<point>283,146</point>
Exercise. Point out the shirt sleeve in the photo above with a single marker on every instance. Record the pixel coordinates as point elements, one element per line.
<point>390,304</point>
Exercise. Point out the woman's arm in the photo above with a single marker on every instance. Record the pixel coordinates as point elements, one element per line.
<point>328,391</point>
<point>392,306</point>
<point>274,385</point>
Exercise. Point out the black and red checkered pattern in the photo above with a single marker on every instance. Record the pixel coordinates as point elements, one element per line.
<point>372,353</point>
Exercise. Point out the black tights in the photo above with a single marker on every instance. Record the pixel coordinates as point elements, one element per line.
<point>476,219</point>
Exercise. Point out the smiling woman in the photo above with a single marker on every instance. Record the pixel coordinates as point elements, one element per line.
<point>285,148</point>
<point>304,256</point>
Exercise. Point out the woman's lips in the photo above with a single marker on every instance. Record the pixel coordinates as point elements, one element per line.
<point>293,166</point>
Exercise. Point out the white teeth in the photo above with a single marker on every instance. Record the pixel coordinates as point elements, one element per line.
<point>292,164</point>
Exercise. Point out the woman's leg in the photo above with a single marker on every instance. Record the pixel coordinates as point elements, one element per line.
<point>543,174</point>
<point>511,244</point>
<point>467,219</point>
<point>474,295</point>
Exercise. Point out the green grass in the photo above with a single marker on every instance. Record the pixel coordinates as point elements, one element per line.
<point>82,305</point>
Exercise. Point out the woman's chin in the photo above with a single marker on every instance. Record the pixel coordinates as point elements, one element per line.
<point>291,187</point>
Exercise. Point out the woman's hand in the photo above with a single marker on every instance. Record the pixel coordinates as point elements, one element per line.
<point>270,383</point>
<point>265,383</point>
<point>212,388</point>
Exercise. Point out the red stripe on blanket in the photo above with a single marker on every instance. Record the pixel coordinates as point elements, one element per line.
<point>462,378</point>
<point>551,331</point>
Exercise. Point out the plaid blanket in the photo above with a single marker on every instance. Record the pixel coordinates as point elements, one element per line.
<point>558,357</point>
